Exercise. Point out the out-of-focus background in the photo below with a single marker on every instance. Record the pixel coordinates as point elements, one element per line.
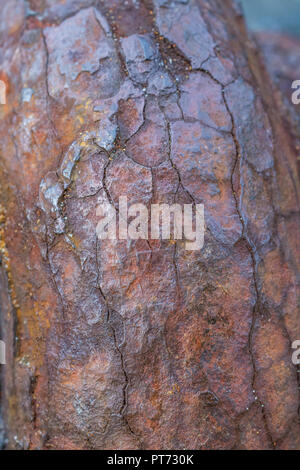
<point>273,15</point>
<point>276,27</point>
<point>281,16</point>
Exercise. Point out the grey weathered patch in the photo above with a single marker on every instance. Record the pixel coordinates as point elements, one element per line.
<point>141,56</point>
<point>160,83</point>
<point>69,55</point>
<point>183,25</point>
<point>50,193</point>
<point>27,94</point>
<point>251,119</point>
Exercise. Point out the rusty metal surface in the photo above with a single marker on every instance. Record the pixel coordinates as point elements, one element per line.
<point>281,55</point>
<point>117,345</point>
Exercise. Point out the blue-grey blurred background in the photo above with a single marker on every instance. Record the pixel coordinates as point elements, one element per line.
<point>273,15</point>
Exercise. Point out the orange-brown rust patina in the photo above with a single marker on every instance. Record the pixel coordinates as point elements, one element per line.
<point>116,345</point>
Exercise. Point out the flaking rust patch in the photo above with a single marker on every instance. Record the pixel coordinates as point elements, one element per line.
<point>5,261</point>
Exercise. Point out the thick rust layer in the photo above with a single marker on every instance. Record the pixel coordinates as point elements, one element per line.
<point>116,345</point>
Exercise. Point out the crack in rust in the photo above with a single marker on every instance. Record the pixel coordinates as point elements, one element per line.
<point>251,250</point>
<point>49,97</point>
<point>122,411</point>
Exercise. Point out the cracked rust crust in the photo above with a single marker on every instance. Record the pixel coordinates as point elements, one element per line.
<point>117,345</point>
